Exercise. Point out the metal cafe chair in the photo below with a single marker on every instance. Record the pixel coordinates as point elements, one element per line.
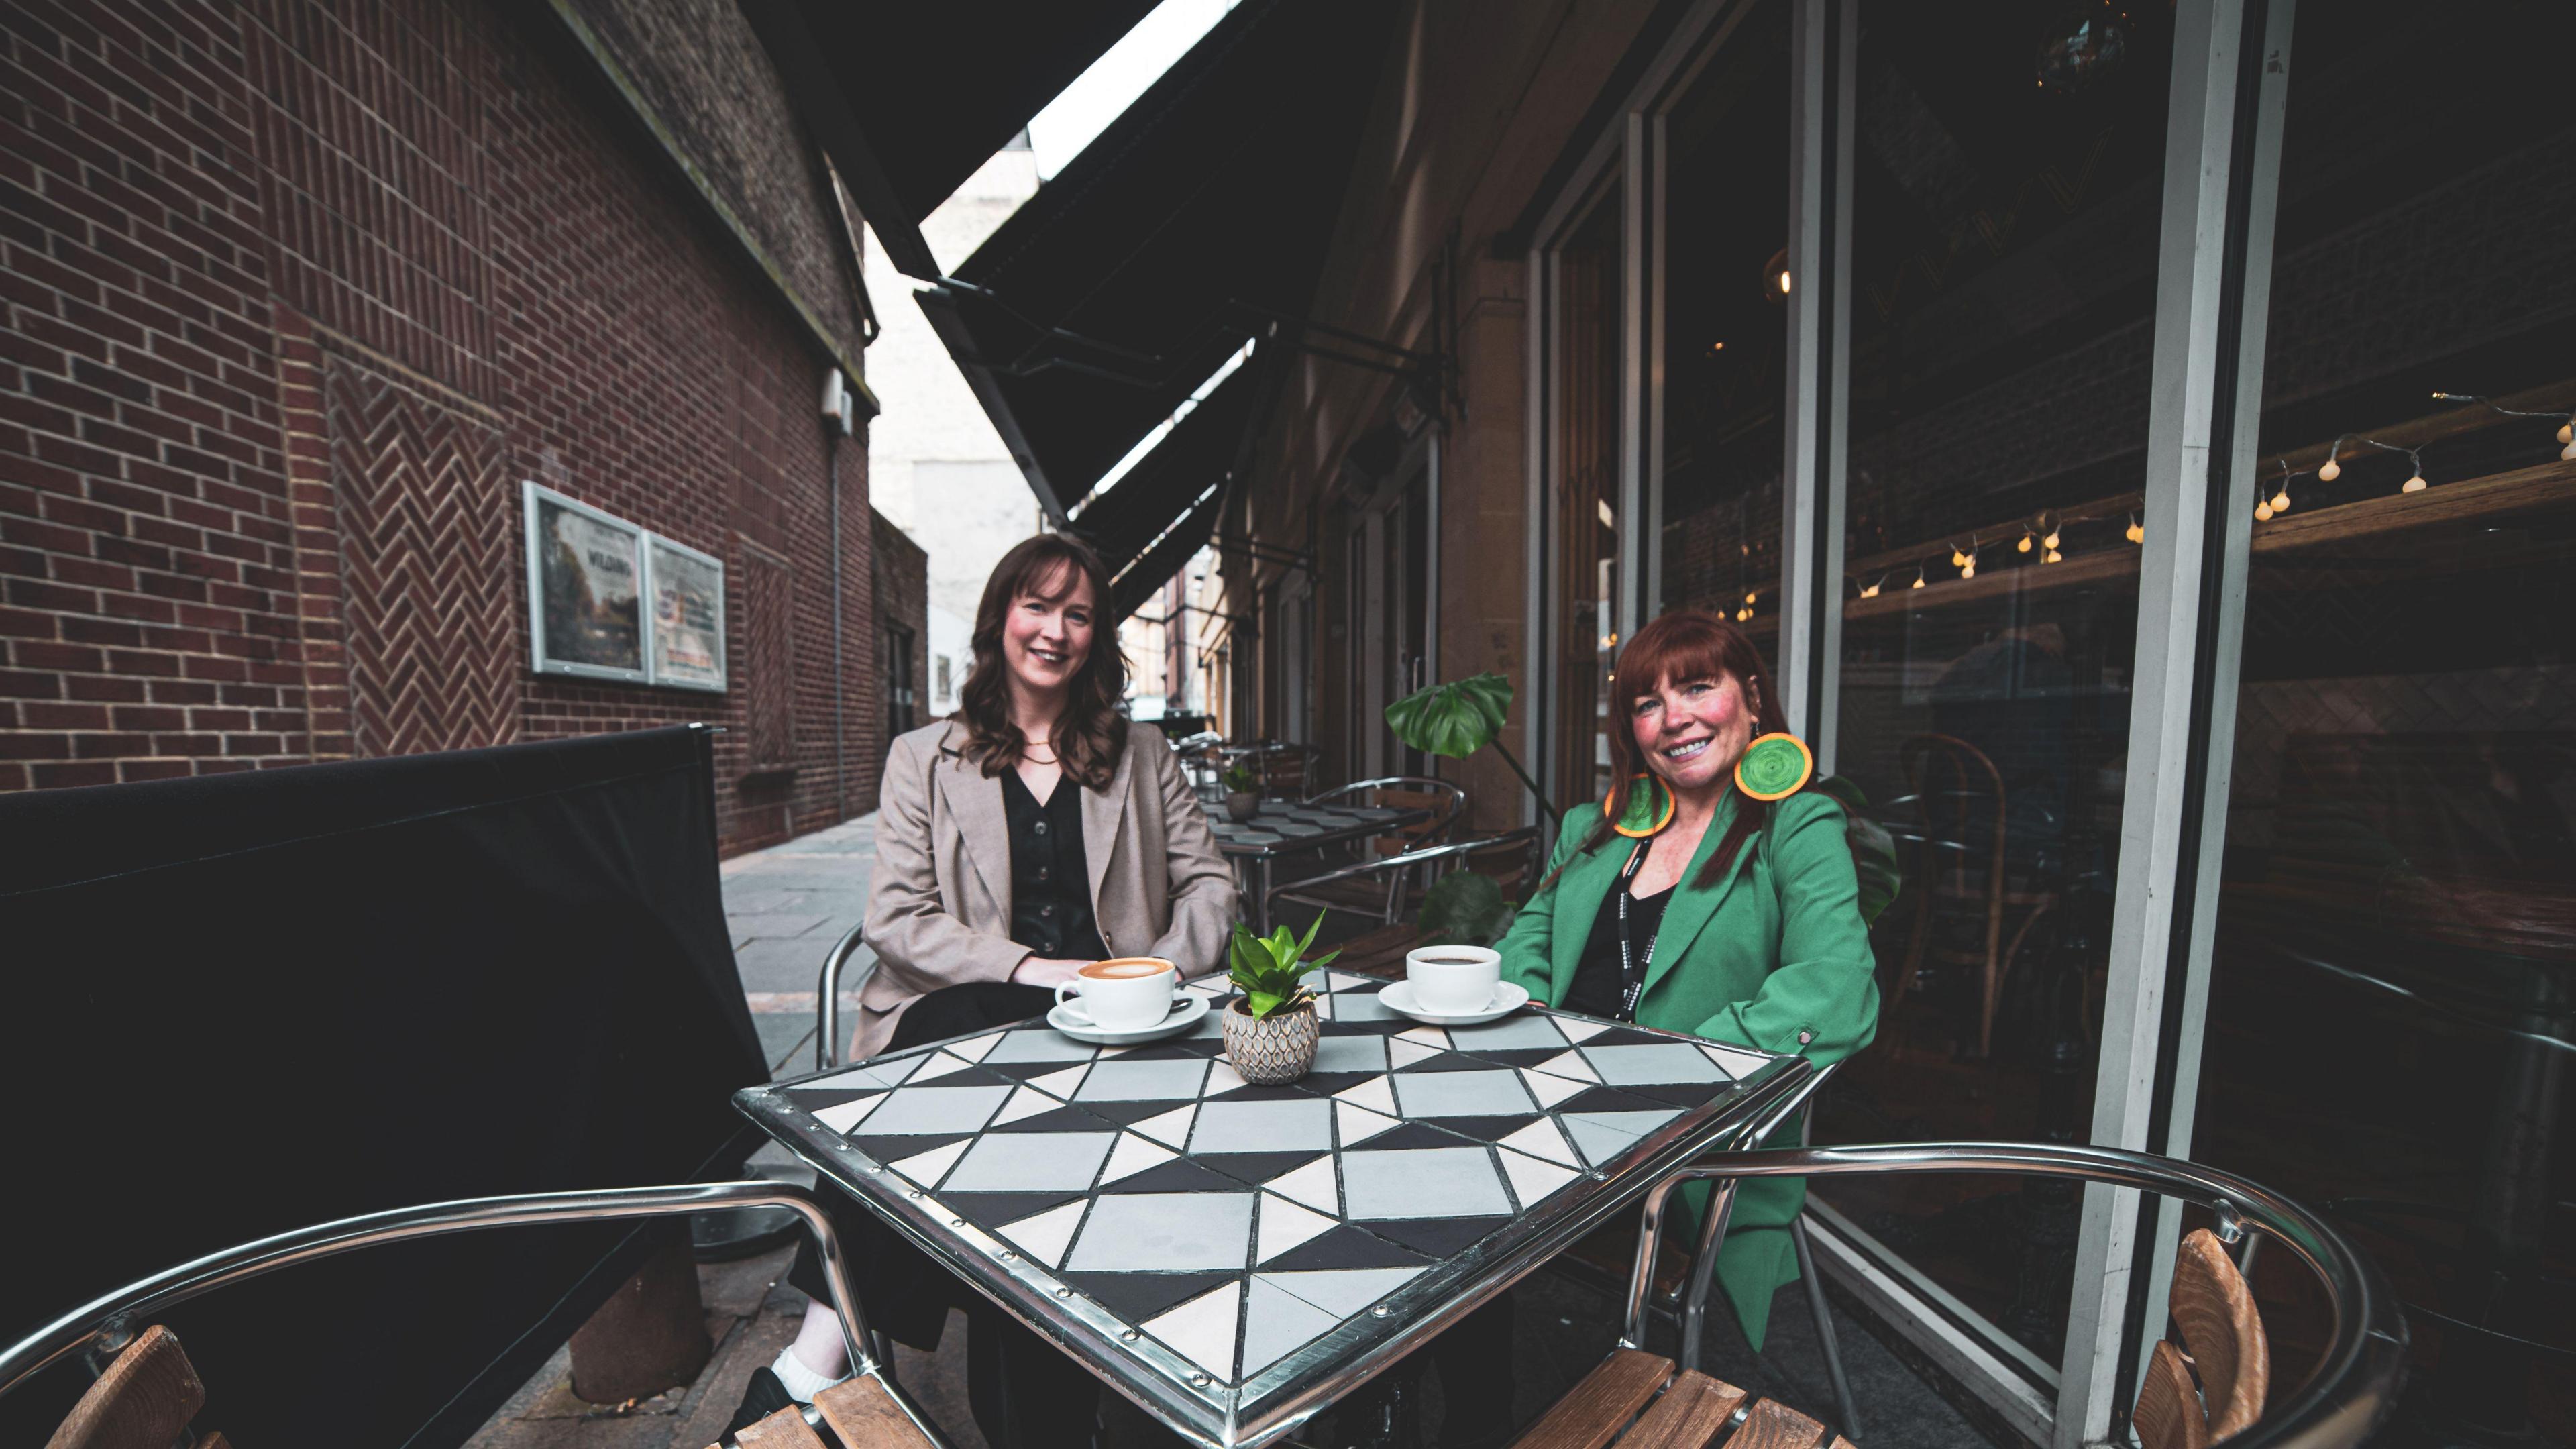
<point>1384,888</point>
<point>1646,1401</point>
<point>146,1394</point>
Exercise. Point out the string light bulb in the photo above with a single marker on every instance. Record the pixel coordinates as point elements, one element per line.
<point>2024,545</point>
<point>2052,556</point>
<point>1748,598</point>
<point>2263,512</point>
<point>2281,496</point>
<point>2415,481</point>
<point>2332,468</point>
<point>2137,531</point>
<point>1968,565</point>
<point>1870,590</point>
<point>1958,558</point>
<point>2567,433</point>
<point>2050,542</point>
<point>1918,577</point>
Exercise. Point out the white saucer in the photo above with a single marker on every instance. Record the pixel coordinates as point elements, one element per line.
<point>1186,1010</point>
<point>1508,998</point>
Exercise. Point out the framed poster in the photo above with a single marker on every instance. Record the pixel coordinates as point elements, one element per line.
<point>585,589</point>
<point>685,629</point>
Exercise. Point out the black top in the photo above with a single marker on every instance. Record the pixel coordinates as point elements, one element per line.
<point>1595,990</point>
<point>1050,880</point>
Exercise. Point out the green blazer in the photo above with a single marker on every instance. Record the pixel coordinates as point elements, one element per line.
<point>1774,957</point>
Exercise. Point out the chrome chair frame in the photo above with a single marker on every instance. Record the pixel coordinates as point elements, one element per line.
<point>827,997</point>
<point>110,1321</point>
<point>2351,1392</point>
<point>1396,867</point>
<point>1440,825</point>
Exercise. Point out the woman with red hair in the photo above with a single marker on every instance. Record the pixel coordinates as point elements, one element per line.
<point>1702,899</point>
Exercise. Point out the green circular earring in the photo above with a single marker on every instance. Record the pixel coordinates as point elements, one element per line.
<point>1649,810</point>
<point>1774,767</point>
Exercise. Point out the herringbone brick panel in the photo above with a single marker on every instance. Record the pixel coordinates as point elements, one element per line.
<point>425,515</point>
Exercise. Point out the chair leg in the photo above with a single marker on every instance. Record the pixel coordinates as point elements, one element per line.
<point>1825,1329</point>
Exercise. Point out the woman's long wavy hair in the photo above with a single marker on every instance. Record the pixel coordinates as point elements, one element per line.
<point>1682,645</point>
<point>1091,735</point>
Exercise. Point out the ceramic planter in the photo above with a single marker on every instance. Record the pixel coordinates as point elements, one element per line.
<point>1242,805</point>
<point>1269,1051</point>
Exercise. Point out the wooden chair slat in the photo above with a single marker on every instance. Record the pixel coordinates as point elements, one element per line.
<point>143,1401</point>
<point>2168,1415</point>
<point>1594,1411</point>
<point>2223,1331</point>
<point>1774,1425</point>
<point>1690,1414</point>
<point>785,1429</point>
<point>865,1416</point>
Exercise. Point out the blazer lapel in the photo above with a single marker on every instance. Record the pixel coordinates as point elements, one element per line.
<point>1102,811</point>
<point>974,801</point>
<point>1691,907</point>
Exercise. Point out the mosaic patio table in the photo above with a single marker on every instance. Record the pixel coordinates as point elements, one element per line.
<point>1285,828</point>
<point>1235,1258</point>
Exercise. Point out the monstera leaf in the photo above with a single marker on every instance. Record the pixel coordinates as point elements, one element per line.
<point>1455,719</point>
<point>1459,718</point>
<point>1464,909</point>
<point>1873,849</point>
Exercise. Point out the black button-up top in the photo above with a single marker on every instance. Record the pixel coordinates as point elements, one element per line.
<point>1050,879</point>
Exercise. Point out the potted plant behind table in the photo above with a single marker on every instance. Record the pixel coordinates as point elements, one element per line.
<point>1271,1030</point>
<point>1242,792</point>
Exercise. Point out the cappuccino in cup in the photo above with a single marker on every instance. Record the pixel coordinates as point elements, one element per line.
<point>1124,993</point>
<point>1454,980</point>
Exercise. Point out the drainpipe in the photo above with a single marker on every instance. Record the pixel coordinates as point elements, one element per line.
<point>836,426</point>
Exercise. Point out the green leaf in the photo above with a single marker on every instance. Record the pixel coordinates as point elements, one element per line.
<point>1454,719</point>
<point>1464,909</point>
<point>1873,849</point>
<point>1262,1003</point>
<point>1320,962</point>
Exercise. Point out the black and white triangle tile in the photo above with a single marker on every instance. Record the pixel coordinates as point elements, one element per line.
<point>1234,1224</point>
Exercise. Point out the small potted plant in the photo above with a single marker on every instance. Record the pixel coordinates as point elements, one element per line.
<point>1270,1030</point>
<point>1242,792</point>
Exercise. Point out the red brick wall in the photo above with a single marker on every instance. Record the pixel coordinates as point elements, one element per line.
<point>295,296</point>
<point>903,598</point>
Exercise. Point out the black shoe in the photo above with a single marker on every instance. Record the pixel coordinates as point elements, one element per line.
<point>762,1397</point>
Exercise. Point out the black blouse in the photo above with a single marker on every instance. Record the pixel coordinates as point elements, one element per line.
<point>1595,989</point>
<point>1050,879</point>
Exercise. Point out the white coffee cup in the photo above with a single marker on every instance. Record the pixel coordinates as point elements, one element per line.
<point>1454,980</point>
<point>1124,993</point>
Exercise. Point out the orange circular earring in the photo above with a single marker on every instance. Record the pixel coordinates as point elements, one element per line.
<point>1649,810</point>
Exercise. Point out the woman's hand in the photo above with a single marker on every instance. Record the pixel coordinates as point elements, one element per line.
<point>1045,971</point>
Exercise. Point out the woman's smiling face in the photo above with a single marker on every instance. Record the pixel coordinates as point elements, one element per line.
<point>1692,731</point>
<point>1046,641</point>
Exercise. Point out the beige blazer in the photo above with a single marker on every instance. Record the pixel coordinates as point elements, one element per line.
<point>939,904</point>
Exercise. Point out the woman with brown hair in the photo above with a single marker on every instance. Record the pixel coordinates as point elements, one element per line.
<point>1034,831</point>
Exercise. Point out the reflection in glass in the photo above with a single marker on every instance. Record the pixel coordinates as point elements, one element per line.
<point>2392,1016</point>
<point>1725,329</point>
<point>2003,290</point>
<point>1586,523</point>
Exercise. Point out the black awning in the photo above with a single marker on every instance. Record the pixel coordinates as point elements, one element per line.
<point>1195,456</point>
<point>1200,215</point>
<point>1135,588</point>
<point>908,100</point>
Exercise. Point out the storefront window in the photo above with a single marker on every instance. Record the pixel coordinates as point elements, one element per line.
<point>2392,1014</point>
<point>1585,528</point>
<point>1725,332</point>
<point>2007,185</point>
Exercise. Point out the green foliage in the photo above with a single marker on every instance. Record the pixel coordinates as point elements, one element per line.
<point>1873,849</point>
<point>1465,909</point>
<point>1455,719</point>
<point>1267,968</point>
<point>1240,778</point>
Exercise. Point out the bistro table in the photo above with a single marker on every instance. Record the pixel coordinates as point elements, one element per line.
<point>1286,828</point>
<point>1236,1258</point>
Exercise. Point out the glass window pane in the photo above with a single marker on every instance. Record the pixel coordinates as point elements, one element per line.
<point>2393,981</point>
<point>1587,524</point>
<point>1725,335</point>
<point>2008,176</point>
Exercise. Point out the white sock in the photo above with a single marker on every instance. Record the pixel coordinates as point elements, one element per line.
<point>802,1383</point>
